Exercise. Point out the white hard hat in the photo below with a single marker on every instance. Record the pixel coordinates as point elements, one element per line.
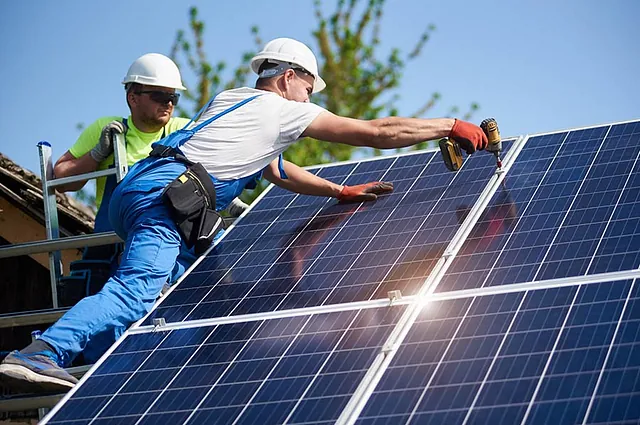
<point>293,52</point>
<point>154,69</point>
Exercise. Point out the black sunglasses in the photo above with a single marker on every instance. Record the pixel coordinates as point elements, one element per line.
<point>161,96</point>
<point>304,71</point>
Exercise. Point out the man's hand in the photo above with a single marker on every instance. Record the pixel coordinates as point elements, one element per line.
<point>104,148</point>
<point>469,136</point>
<point>364,192</point>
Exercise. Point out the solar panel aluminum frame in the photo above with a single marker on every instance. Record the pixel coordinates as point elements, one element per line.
<point>411,299</point>
<point>528,286</point>
<point>271,315</point>
<point>586,127</point>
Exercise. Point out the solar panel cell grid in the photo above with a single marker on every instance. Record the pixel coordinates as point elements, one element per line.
<point>325,253</point>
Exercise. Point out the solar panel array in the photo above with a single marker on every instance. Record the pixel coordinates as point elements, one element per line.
<point>519,301</point>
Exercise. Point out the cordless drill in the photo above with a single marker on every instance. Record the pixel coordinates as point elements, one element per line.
<point>452,155</point>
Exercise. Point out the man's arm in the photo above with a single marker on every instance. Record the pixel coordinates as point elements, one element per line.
<point>393,132</point>
<point>69,165</point>
<point>301,181</point>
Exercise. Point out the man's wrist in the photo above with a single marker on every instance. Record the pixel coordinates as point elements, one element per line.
<point>448,126</point>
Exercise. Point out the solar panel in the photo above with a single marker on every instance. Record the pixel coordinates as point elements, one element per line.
<point>519,301</point>
<point>568,207</point>
<point>564,356</point>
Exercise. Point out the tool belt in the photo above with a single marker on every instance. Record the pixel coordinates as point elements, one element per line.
<point>191,200</point>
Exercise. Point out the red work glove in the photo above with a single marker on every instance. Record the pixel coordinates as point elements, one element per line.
<point>364,192</point>
<point>469,136</point>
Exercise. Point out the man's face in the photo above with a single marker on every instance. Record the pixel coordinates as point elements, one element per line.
<point>298,86</point>
<point>153,105</point>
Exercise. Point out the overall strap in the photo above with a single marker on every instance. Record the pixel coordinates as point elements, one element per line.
<point>195,117</point>
<point>170,145</point>
<point>126,129</point>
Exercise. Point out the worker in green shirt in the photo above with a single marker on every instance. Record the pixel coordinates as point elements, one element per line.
<point>150,84</point>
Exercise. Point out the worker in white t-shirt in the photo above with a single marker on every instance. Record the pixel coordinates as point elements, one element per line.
<point>172,196</point>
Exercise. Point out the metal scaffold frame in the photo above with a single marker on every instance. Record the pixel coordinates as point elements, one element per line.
<point>54,243</point>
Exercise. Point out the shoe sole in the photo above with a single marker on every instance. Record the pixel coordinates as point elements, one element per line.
<point>25,379</point>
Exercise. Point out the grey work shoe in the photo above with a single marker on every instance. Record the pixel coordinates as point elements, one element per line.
<point>35,372</point>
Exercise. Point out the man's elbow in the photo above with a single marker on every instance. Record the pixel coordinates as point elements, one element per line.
<point>379,133</point>
<point>59,170</point>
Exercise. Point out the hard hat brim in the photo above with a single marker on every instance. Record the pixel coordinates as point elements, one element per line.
<point>318,84</point>
<point>149,82</point>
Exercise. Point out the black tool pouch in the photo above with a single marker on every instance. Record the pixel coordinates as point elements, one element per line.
<point>191,199</point>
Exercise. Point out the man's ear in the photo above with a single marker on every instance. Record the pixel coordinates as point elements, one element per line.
<point>131,98</point>
<point>289,75</point>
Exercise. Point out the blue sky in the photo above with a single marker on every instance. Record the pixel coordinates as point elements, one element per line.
<point>535,65</point>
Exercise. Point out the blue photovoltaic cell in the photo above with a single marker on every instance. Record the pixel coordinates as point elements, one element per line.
<point>294,252</point>
<point>570,206</point>
<point>556,356</point>
<point>302,368</point>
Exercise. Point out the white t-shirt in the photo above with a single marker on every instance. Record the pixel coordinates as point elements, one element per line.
<point>246,140</point>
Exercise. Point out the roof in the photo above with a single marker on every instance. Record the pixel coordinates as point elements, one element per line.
<point>24,189</point>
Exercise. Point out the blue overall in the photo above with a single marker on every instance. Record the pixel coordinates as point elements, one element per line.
<point>99,343</point>
<point>152,246</point>
<point>103,224</point>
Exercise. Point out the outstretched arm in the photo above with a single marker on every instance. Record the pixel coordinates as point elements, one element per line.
<point>301,181</point>
<point>394,132</point>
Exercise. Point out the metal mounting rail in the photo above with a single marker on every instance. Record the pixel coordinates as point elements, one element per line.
<point>25,403</point>
<point>60,244</point>
<point>36,317</point>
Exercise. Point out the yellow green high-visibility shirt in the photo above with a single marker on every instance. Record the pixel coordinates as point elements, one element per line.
<point>138,144</point>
